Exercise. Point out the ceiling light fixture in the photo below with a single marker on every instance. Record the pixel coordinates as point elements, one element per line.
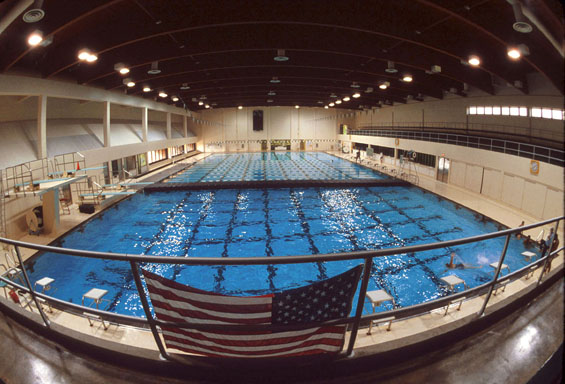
<point>121,68</point>
<point>87,55</point>
<point>184,86</point>
<point>275,80</point>
<point>271,93</point>
<point>146,88</point>
<point>333,95</point>
<point>384,85</point>
<point>474,61</point>
<point>269,100</point>
<point>407,78</point>
<point>175,99</point>
<point>240,107</point>
<point>130,84</point>
<point>354,85</point>
<point>326,107</point>
<point>280,55</point>
<point>346,98</point>
<point>338,101</point>
<point>154,68</point>
<point>356,95</point>
<point>206,106</point>
<point>331,104</point>
<point>514,53</point>
<point>35,38</point>
<point>163,94</point>
<point>200,103</point>
<point>390,67</point>
<point>297,106</point>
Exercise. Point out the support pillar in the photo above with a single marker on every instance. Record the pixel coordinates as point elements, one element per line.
<point>168,125</point>
<point>42,127</point>
<point>51,211</point>
<point>144,123</point>
<point>185,125</point>
<point>106,124</point>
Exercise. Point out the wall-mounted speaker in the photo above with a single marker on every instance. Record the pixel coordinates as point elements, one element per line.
<point>258,120</point>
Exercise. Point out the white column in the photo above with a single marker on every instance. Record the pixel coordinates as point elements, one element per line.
<point>168,125</point>
<point>106,124</point>
<point>42,127</point>
<point>185,125</point>
<point>144,123</point>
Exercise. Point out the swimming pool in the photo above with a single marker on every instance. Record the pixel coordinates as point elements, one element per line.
<point>274,166</point>
<point>237,223</point>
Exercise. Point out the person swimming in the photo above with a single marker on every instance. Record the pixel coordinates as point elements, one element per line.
<point>452,265</point>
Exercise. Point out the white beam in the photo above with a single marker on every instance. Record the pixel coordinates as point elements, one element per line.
<point>41,127</point>
<point>144,123</point>
<point>106,124</point>
<point>168,125</point>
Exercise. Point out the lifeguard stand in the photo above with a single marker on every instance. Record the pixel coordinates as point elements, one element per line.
<point>408,169</point>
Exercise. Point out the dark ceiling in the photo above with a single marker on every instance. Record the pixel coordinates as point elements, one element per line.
<point>224,50</point>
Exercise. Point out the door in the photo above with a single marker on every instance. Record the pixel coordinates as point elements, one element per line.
<point>443,169</point>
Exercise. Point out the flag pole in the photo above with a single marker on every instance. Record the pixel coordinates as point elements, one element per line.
<point>360,302</point>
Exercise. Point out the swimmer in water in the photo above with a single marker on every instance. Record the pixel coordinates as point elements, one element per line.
<point>452,265</point>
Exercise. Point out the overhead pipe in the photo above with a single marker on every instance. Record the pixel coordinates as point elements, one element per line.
<point>13,14</point>
<point>521,25</point>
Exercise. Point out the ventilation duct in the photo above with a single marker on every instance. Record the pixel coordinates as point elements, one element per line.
<point>521,25</point>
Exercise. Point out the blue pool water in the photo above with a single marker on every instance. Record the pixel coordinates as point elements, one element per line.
<point>237,223</point>
<point>274,166</point>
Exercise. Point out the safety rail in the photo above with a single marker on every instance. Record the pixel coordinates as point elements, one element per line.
<point>478,140</point>
<point>353,321</point>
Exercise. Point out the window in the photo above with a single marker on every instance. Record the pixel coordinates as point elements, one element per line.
<point>158,155</point>
<point>537,112</point>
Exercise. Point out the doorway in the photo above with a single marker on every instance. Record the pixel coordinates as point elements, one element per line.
<point>443,169</point>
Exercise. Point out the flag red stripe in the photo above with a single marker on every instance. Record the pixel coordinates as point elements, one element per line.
<point>314,351</point>
<point>275,350</point>
<point>206,316</point>
<point>253,308</point>
<point>198,335</point>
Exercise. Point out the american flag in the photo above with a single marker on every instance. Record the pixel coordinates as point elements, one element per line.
<point>322,301</point>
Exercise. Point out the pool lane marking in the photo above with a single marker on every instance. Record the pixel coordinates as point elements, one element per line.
<point>128,277</point>
<point>322,273</point>
<point>440,287</point>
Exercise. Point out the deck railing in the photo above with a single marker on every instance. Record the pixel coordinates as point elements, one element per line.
<point>353,321</point>
<point>473,138</point>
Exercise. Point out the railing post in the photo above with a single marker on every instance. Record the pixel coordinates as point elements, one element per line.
<point>360,303</point>
<point>548,259</point>
<point>146,309</point>
<point>493,282</point>
<point>31,291</point>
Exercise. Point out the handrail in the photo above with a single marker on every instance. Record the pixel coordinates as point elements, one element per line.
<point>355,320</point>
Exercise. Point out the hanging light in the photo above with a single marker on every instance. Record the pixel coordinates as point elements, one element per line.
<point>346,98</point>
<point>356,95</point>
<point>474,61</point>
<point>35,38</point>
<point>162,94</point>
<point>146,89</point>
<point>407,78</point>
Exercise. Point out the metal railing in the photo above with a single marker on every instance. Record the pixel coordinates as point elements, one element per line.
<point>353,321</point>
<point>468,138</point>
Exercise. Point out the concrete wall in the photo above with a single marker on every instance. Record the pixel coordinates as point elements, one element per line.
<point>453,110</point>
<point>231,129</point>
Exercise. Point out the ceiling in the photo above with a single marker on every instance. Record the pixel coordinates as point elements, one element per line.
<point>224,50</point>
